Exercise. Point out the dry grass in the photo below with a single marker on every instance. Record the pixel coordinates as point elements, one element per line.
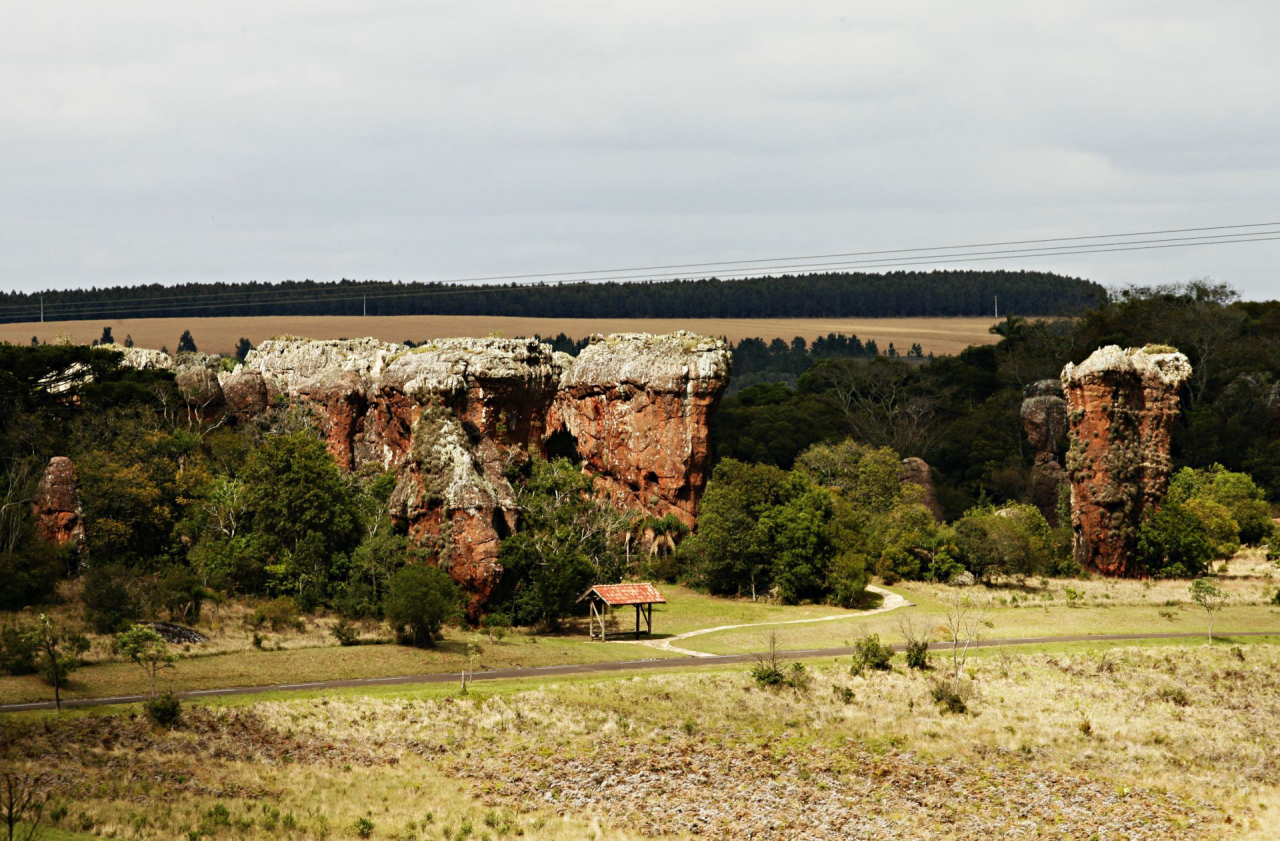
<point>1156,743</point>
<point>219,335</point>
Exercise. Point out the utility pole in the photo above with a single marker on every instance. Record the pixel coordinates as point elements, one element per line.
<point>997,306</point>
<point>42,309</point>
<point>364,303</point>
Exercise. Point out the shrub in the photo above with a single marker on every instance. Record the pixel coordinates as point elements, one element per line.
<point>1175,695</point>
<point>164,710</point>
<point>419,599</point>
<point>497,624</point>
<point>277,614</point>
<point>949,698</point>
<point>868,653</point>
<point>918,654</point>
<point>767,674</point>
<point>110,604</point>
<point>844,694</point>
<point>1276,598</point>
<point>363,827</point>
<point>17,650</point>
<point>345,633</point>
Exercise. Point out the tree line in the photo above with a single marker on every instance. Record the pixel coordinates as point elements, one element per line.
<point>833,295</point>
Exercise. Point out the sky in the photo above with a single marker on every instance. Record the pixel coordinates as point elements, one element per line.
<point>230,141</point>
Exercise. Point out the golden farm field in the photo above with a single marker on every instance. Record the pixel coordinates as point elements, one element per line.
<point>219,335</point>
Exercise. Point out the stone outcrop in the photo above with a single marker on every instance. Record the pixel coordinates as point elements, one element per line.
<point>1122,405</point>
<point>446,416</point>
<point>916,471</point>
<point>1044,418</point>
<point>639,408</point>
<point>56,507</point>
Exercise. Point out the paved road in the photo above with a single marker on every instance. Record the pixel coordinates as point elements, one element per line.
<point>591,668</point>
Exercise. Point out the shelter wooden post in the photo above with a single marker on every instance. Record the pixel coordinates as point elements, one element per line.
<point>602,599</point>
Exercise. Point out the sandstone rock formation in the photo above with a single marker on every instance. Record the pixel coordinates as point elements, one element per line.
<point>1122,407</point>
<point>1044,418</point>
<point>56,508</point>
<point>444,417</point>
<point>639,408</point>
<point>915,471</point>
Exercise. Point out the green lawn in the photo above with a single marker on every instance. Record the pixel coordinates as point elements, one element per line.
<point>1030,618</point>
<point>305,665</point>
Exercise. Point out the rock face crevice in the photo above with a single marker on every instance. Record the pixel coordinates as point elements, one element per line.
<point>1122,404</point>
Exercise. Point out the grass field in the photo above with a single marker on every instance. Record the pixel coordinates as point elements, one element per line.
<point>309,653</point>
<point>1171,741</point>
<point>219,335</point>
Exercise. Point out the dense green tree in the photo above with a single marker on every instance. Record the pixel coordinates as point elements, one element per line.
<point>730,553</point>
<point>1005,540</point>
<point>569,539</point>
<point>293,490</point>
<point>420,598</point>
<point>186,344</point>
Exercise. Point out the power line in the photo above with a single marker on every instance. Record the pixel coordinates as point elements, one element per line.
<point>600,274</point>
<point>938,260</point>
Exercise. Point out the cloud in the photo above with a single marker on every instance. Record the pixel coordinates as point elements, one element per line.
<point>146,142</point>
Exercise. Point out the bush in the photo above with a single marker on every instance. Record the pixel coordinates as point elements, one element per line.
<point>419,599</point>
<point>17,650</point>
<point>164,710</point>
<point>363,827</point>
<point>497,624</point>
<point>918,654</point>
<point>949,698</point>
<point>1276,598</point>
<point>30,574</point>
<point>868,653</point>
<point>277,614</point>
<point>110,602</point>
<point>345,633</point>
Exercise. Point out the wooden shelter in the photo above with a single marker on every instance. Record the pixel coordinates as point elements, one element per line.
<point>605,598</point>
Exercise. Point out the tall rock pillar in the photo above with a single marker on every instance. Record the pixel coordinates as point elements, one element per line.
<point>1122,404</point>
<point>1044,418</point>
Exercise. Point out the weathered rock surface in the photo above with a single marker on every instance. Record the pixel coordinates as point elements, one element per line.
<point>1122,407</point>
<point>916,471</point>
<point>1044,418</point>
<point>444,417</point>
<point>56,507</point>
<point>639,408</point>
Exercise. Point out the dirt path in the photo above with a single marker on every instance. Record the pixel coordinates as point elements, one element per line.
<point>892,601</point>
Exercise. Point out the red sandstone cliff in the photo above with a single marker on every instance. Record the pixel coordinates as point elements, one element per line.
<point>444,416</point>
<point>1122,407</point>
<point>639,408</point>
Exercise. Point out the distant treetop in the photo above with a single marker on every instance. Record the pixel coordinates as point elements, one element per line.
<point>835,295</point>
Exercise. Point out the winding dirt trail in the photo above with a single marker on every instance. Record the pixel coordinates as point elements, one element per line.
<point>891,601</point>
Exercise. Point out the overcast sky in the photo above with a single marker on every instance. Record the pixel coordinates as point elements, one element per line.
<point>145,142</point>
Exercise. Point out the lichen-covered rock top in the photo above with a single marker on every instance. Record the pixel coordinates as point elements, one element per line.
<point>672,363</point>
<point>142,358</point>
<point>449,365</point>
<point>301,363</point>
<point>1157,364</point>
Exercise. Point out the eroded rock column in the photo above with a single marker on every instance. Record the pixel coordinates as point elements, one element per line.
<point>1122,404</point>
<point>1044,418</point>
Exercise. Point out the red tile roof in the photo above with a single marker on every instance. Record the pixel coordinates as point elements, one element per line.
<point>616,595</point>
